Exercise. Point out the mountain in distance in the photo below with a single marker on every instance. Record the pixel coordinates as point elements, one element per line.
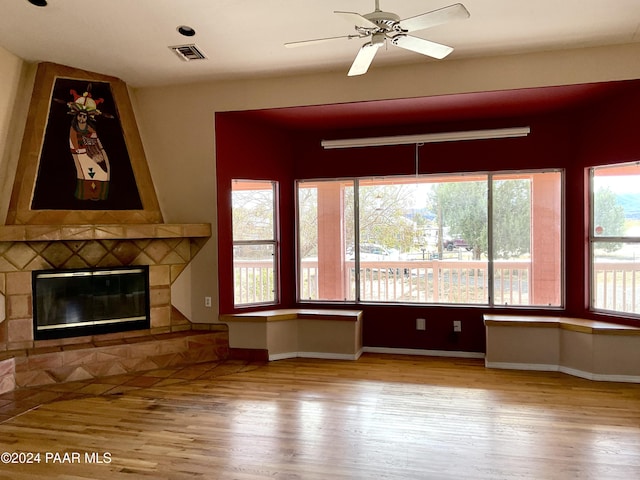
<point>631,204</point>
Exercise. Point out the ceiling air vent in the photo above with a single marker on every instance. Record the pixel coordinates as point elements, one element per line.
<point>188,52</point>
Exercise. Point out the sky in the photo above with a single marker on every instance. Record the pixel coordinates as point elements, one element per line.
<point>619,184</point>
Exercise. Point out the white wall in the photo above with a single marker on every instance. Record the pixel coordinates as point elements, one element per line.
<point>16,84</point>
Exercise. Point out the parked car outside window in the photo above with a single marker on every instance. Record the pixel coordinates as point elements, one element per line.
<point>451,244</point>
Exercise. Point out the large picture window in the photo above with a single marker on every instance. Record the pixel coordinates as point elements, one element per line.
<point>326,238</point>
<point>490,239</point>
<point>615,238</point>
<point>255,254</point>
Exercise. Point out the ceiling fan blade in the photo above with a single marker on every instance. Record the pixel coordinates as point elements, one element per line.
<point>305,43</point>
<point>420,45</point>
<point>364,58</point>
<point>357,19</point>
<point>456,11</point>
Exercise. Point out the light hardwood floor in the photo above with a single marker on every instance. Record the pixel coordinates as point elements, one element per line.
<point>387,417</point>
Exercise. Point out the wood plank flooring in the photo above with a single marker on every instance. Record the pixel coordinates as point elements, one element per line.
<point>386,417</point>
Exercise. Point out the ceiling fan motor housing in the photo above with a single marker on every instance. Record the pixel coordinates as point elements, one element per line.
<point>386,21</point>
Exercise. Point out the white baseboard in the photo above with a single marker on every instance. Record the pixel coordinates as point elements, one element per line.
<point>320,355</point>
<point>601,377</point>
<point>426,353</point>
<point>537,367</point>
<point>569,371</point>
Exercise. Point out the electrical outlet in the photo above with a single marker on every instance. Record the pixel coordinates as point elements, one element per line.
<point>457,326</point>
<point>421,324</point>
<point>207,301</point>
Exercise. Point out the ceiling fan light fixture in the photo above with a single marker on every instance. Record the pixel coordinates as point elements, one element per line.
<point>378,39</point>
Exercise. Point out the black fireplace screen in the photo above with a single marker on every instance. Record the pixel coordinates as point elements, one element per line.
<point>71,303</point>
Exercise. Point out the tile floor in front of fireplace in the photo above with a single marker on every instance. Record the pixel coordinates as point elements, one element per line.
<point>24,399</point>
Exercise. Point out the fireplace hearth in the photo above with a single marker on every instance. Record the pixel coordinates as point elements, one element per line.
<point>90,301</point>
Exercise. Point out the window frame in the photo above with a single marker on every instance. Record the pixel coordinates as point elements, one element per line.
<point>273,242</point>
<point>489,177</point>
<point>298,241</point>
<point>596,240</point>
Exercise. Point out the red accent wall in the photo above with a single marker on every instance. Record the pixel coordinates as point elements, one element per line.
<point>249,150</point>
<point>573,138</point>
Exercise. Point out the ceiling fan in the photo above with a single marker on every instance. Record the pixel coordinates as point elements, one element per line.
<point>381,26</point>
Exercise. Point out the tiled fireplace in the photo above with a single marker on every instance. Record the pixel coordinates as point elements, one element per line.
<point>57,239</point>
<point>167,249</point>
<point>171,340</point>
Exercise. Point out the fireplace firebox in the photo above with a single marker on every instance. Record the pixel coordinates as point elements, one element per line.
<point>79,302</point>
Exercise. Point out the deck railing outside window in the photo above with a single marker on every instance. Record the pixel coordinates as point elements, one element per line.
<point>431,281</point>
<point>617,286</point>
<point>442,281</point>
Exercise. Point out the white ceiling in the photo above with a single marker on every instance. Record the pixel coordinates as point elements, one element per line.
<point>128,39</point>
